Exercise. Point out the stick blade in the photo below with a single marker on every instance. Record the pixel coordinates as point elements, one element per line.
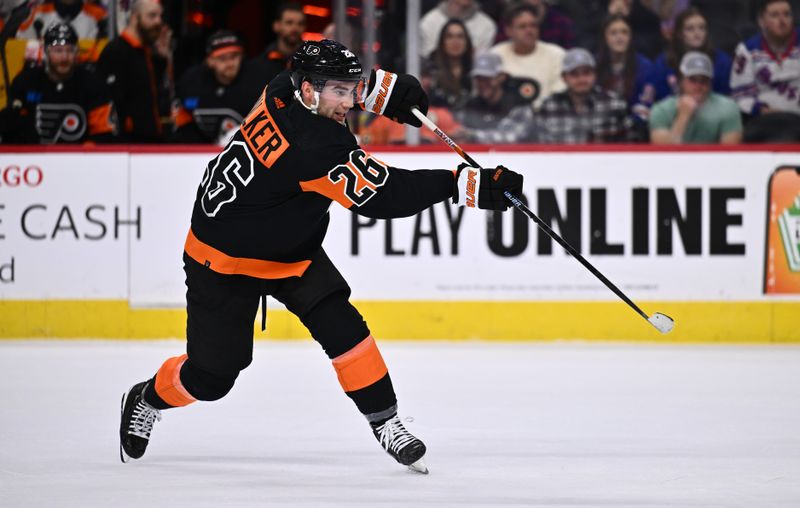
<point>662,322</point>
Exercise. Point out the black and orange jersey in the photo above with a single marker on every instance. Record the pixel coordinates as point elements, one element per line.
<point>262,205</point>
<point>205,110</point>
<point>269,63</point>
<point>76,110</point>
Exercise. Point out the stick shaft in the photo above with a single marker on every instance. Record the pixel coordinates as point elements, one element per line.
<point>527,211</point>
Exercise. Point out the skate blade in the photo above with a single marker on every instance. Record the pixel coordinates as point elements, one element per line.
<point>419,467</point>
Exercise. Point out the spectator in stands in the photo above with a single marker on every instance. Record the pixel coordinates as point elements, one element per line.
<point>667,11</point>
<point>584,113</point>
<point>60,102</point>
<point>449,66</point>
<point>481,28</point>
<point>135,66</point>
<point>645,24</point>
<point>289,25</point>
<point>697,115</point>
<point>588,16</point>
<point>501,111</point>
<point>89,20</point>
<point>729,21</point>
<point>556,27</point>
<point>525,56</point>
<point>212,98</point>
<point>620,69</point>
<point>766,68</point>
<point>691,34</point>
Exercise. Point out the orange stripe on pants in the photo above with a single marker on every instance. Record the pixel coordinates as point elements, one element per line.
<point>168,383</point>
<point>361,366</point>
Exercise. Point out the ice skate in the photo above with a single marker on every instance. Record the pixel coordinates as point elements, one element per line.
<point>401,444</point>
<point>137,418</point>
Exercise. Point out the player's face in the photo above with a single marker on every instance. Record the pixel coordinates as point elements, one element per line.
<point>524,31</point>
<point>580,81</point>
<point>61,60</point>
<point>225,66</point>
<point>149,21</point>
<point>698,87</point>
<point>694,32</point>
<point>336,99</point>
<point>776,21</point>
<point>290,27</point>
<point>618,36</point>
<point>455,41</point>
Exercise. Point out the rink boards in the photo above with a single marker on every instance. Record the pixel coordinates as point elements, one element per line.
<point>90,246</point>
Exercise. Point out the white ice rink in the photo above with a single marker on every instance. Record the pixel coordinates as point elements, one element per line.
<point>561,425</point>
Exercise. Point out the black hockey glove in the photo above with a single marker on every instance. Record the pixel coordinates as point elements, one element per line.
<point>393,95</point>
<point>484,187</point>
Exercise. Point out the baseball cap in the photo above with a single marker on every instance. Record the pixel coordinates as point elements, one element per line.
<point>575,58</point>
<point>223,41</point>
<point>487,65</point>
<point>695,63</point>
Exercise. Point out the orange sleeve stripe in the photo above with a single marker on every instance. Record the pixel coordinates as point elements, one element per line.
<point>324,186</point>
<point>220,262</point>
<point>94,11</point>
<point>361,366</point>
<point>168,383</point>
<point>100,120</point>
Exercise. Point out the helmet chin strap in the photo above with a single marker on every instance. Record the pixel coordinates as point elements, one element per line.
<point>312,107</point>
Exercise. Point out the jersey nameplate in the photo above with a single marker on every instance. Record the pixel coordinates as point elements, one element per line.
<point>262,134</point>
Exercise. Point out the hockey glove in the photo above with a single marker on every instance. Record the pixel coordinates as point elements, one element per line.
<point>484,187</point>
<point>393,95</point>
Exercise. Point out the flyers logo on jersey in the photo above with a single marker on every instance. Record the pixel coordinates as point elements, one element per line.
<point>262,134</point>
<point>60,122</point>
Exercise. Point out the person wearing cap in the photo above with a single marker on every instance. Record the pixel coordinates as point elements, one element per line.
<point>289,25</point>
<point>60,102</point>
<point>214,96</point>
<point>696,115</point>
<point>136,66</point>
<point>495,103</point>
<point>525,56</point>
<point>584,112</point>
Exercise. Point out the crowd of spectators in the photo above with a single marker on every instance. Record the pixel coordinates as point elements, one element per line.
<point>496,71</point>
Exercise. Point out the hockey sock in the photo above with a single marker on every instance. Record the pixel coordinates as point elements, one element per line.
<point>364,377</point>
<point>167,390</point>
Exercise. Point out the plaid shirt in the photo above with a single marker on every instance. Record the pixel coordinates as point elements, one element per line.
<point>605,121</point>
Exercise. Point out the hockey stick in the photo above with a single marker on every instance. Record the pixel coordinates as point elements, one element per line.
<point>661,322</point>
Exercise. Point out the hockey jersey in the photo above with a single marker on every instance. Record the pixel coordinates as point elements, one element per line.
<point>262,205</point>
<point>204,110</point>
<point>88,19</point>
<point>760,78</point>
<point>75,110</point>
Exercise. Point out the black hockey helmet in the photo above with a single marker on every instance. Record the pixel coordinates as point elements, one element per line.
<point>318,61</point>
<point>60,34</point>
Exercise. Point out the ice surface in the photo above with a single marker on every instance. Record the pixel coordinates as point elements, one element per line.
<point>564,425</point>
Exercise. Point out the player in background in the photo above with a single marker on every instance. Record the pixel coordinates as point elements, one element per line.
<point>60,102</point>
<point>258,223</point>
<point>213,97</point>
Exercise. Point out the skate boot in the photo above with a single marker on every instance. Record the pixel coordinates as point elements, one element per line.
<point>400,444</point>
<point>137,423</point>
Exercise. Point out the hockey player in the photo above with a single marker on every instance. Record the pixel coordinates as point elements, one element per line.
<point>213,97</point>
<point>60,102</point>
<point>258,222</point>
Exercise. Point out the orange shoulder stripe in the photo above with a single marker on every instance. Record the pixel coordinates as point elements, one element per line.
<point>94,10</point>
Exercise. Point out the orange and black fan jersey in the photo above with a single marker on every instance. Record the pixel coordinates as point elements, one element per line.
<point>75,110</point>
<point>205,110</point>
<point>262,205</point>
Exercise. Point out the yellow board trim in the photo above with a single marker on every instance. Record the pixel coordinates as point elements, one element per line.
<point>697,322</point>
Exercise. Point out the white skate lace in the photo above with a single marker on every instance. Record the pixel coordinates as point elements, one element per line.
<point>142,420</point>
<point>393,436</point>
